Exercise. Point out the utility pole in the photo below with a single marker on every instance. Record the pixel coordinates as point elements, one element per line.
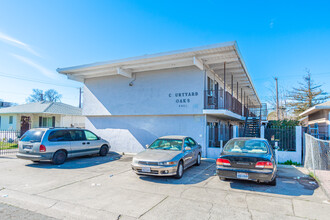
<point>277,105</point>
<point>79,97</point>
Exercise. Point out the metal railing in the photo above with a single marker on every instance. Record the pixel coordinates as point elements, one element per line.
<point>9,141</point>
<point>218,99</point>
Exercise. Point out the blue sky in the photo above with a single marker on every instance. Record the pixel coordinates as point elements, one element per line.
<point>275,38</point>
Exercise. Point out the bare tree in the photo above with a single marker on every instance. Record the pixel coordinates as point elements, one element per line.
<point>284,108</point>
<point>50,95</point>
<point>307,95</point>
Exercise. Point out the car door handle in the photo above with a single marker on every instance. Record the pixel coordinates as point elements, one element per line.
<point>83,143</point>
<point>88,143</point>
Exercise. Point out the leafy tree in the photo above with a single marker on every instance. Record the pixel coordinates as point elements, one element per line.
<point>307,95</point>
<point>50,95</point>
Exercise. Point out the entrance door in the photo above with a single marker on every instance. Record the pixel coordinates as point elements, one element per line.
<point>25,124</point>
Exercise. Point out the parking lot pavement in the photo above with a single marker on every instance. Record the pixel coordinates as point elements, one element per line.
<point>12,212</point>
<point>106,188</point>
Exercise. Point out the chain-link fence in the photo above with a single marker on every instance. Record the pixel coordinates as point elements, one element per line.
<point>9,141</point>
<point>317,153</point>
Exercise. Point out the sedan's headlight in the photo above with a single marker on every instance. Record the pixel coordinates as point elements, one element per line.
<point>166,163</point>
<point>135,160</point>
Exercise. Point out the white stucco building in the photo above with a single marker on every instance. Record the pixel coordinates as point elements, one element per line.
<point>200,92</point>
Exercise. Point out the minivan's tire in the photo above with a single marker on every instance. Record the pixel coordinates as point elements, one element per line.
<point>59,157</point>
<point>199,160</point>
<point>179,171</point>
<point>273,182</point>
<point>104,150</point>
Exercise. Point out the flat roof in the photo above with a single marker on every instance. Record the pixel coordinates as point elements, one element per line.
<point>211,58</point>
<point>325,105</point>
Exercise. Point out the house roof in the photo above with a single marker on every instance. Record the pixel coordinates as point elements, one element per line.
<point>325,105</point>
<point>43,107</point>
<point>210,58</point>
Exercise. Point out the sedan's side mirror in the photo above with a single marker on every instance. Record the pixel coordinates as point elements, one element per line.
<point>147,145</point>
<point>187,148</point>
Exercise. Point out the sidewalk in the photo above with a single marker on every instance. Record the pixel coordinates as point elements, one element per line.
<point>324,178</point>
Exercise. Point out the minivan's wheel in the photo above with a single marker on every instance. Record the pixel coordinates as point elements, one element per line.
<point>59,157</point>
<point>104,150</point>
<point>198,160</point>
<point>179,171</point>
<point>273,182</point>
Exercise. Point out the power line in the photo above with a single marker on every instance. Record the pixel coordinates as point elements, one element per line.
<point>33,80</point>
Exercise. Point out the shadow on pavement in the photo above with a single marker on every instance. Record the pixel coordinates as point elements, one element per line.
<point>192,175</point>
<point>78,162</point>
<point>290,182</point>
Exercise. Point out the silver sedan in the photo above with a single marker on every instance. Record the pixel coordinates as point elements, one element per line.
<point>168,156</point>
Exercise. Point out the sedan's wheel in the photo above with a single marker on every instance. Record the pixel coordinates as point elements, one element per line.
<point>59,157</point>
<point>198,161</point>
<point>104,151</point>
<point>273,182</point>
<point>179,171</point>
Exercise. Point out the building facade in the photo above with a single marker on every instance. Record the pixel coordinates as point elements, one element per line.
<point>201,92</point>
<point>317,119</point>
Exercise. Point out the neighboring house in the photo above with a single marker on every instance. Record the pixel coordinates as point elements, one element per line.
<point>40,114</point>
<point>318,120</point>
<point>202,92</point>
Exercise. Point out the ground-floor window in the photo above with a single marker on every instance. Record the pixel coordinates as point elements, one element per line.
<point>219,132</point>
<point>46,122</point>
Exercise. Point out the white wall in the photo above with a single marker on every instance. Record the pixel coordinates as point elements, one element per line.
<point>132,133</point>
<point>152,93</point>
<point>5,122</point>
<point>76,121</point>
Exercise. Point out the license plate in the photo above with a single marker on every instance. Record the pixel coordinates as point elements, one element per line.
<point>242,176</point>
<point>28,147</point>
<point>146,169</point>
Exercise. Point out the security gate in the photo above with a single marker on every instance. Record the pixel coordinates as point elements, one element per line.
<point>284,136</point>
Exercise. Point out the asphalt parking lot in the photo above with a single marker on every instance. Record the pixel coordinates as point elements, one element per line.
<point>106,188</point>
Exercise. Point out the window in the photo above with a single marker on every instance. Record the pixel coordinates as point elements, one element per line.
<point>246,146</point>
<point>11,119</point>
<point>60,135</point>
<point>167,144</point>
<point>90,136</point>
<point>46,122</point>
<point>77,135</point>
<point>192,142</point>
<point>33,136</point>
<point>0,122</point>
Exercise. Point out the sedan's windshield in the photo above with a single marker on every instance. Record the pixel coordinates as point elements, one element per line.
<point>32,136</point>
<point>167,144</point>
<point>246,146</point>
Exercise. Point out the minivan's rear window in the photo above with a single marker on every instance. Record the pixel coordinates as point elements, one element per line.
<point>246,146</point>
<point>33,136</point>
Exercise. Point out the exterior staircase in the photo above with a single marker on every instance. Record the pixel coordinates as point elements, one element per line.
<point>252,127</point>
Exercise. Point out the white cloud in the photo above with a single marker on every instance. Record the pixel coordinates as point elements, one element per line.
<point>37,66</point>
<point>10,40</point>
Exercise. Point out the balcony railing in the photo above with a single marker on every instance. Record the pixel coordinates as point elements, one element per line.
<point>218,99</point>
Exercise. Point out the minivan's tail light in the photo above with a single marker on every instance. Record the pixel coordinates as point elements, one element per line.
<point>223,162</point>
<point>264,164</point>
<point>42,148</point>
